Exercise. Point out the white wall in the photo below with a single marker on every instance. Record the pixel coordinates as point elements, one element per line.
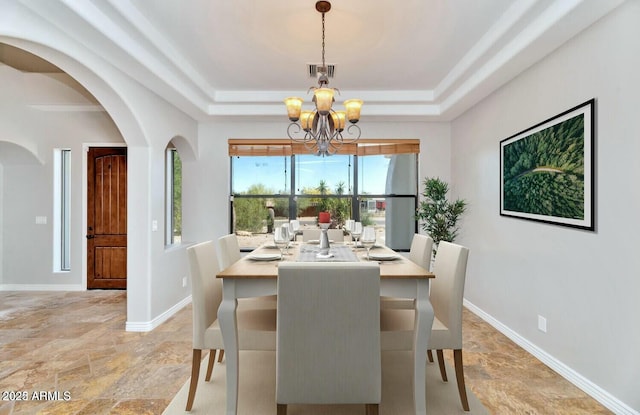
<point>1,219</point>
<point>26,257</point>
<point>141,119</point>
<point>585,283</point>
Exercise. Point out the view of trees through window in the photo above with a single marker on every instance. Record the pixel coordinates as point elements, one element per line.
<point>347,186</point>
<point>173,219</point>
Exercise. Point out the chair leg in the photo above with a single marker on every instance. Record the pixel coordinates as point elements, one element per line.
<point>220,355</point>
<point>282,409</point>
<point>371,409</point>
<point>195,374</point>
<point>457,358</point>
<point>430,356</point>
<point>212,359</point>
<point>443,370</point>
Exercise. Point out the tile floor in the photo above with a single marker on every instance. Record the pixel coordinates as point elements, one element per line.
<point>75,343</point>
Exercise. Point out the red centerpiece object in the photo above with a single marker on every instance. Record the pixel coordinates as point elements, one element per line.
<point>324,217</point>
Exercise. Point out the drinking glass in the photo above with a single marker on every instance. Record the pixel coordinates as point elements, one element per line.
<point>281,238</point>
<point>356,231</point>
<point>292,234</point>
<point>368,238</point>
<point>286,229</point>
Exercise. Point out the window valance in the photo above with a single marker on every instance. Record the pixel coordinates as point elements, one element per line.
<point>286,147</point>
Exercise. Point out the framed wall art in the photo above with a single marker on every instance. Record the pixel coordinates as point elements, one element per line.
<point>547,171</point>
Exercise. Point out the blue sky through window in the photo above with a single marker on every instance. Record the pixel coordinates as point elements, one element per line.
<point>274,171</point>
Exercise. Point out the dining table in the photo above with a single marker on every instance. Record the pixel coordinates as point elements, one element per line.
<point>256,275</point>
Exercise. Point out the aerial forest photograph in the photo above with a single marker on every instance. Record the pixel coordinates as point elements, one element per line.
<point>543,172</point>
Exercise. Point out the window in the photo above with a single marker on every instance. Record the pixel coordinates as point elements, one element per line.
<point>374,182</point>
<point>388,196</point>
<point>62,210</point>
<point>261,190</point>
<point>173,210</point>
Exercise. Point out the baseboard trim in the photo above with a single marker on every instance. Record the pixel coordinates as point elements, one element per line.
<point>596,392</point>
<point>143,326</point>
<point>42,287</point>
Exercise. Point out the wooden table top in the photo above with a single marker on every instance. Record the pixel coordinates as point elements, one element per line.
<point>247,268</point>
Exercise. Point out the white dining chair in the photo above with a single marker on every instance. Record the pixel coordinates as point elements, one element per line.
<point>294,226</point>
<point>335,235</point>
<point>229,250</point>
<point>421,250</point>
<point>256,326</point>
<point>328,347</point>
<point>310,235</point>
<point>446,295</point>
<point>419,253</point>
<point>230,254</point>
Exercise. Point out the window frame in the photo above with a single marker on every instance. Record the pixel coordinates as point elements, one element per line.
<point>285,147</point>
<point>62,210</point>
<point>170,189</point>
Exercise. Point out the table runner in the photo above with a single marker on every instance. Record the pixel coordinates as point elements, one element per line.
<point>341,253</point>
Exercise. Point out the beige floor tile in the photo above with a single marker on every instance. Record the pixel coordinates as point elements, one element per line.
<point>76,342</point>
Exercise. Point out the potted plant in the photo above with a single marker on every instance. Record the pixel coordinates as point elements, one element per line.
<point>438,216</point>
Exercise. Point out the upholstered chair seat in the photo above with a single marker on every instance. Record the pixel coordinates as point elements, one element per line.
<point>446,295</point>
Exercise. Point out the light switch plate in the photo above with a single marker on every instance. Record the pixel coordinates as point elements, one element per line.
<point>542,324</point>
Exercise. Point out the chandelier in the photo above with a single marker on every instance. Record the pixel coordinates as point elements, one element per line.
<point>320,130</point>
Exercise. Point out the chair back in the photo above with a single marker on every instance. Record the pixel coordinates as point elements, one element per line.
<point>328,333</point>
<point>447,289</point>
<point>229,250</point>
<point>421,250</point>
<point>310,235</point>
<point>335,235</point>
<point>206,289</point>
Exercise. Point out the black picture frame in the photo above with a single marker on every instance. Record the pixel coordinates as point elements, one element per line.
<point>547,170</point>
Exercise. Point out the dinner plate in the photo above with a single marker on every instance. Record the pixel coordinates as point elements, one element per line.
<point>317,241</point>
<point>264,257</point>
<point>374,246</point>
<point>383,257</point>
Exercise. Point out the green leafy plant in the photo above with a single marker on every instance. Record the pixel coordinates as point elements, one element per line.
<point>439,217</point>
<point>251,213</point>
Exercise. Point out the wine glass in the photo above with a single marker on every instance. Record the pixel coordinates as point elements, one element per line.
<point>348,224</point>
<point>356,231</point>
<point>292,233</point>
<point>368,238</point>
<point>281,239</point>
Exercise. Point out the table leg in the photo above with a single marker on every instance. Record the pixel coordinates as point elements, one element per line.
<point>229,329</point>
<point>422,331</point>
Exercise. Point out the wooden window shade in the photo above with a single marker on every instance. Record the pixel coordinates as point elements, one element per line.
<point>298,148</point>
<point>259,147</point>
<point>286,147</point>
<point>386,147</point>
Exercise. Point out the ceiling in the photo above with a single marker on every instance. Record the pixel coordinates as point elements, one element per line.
<point>424,59</point>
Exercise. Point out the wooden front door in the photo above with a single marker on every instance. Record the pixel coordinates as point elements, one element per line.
<point>107,218</point>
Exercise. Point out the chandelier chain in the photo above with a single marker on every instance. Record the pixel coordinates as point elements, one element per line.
<point>323,65</point>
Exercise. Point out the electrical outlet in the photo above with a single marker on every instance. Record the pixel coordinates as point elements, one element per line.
<point>542,324</point>
<point>184,282</point>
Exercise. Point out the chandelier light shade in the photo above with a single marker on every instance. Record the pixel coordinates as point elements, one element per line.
<point>353,109</point>
<point>294,106</point>
<point>320,129</point>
